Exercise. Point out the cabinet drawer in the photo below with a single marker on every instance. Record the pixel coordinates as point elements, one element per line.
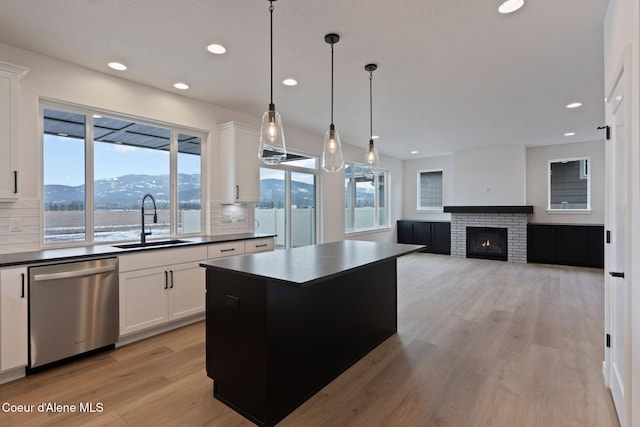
<point>220,250</point>
<point>159,258</point>
<point>258,245</point>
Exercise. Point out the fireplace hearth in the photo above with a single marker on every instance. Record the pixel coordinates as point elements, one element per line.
<point>487,243</point>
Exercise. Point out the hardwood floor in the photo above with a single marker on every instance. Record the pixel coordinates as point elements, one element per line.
<point>479,343</point>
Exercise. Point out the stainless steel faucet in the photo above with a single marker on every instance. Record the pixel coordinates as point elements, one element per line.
<point>144,234</point>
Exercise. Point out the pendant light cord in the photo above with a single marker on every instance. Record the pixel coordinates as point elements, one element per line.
<point>371,104</point>
<point>271,44</point>
<point>331,84</point>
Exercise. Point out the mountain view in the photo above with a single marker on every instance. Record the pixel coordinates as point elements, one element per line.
<point>302,196</point>
<point>124,192</point>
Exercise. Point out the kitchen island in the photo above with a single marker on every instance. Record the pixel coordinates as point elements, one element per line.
<point>281,325</point>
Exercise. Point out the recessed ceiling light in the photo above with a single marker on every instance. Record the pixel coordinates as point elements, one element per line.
<point>569,134</point>
<point>510,6</point>
<point>289,82</point>
<point>181,86</point>
<point>414,152</point>
<point>218,49</point>
<point>574,105</point>
<point>117,66</point>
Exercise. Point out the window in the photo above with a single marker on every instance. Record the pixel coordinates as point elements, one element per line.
<point>570,184</point>
<point>365,199</point>
<point>430,190</point>
<point>287,205</point>
<point>98,167</point>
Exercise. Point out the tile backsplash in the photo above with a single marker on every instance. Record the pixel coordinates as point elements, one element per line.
<point>228,219</point>
<point>20,226</point>
<point>20,223</point>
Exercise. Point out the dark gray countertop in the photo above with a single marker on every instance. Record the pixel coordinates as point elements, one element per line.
<point>307,265</point>
<point>70,254</point>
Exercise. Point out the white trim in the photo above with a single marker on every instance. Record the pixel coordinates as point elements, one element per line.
<point>420,208</point>
<point>569,211</point>
<point>88,112</point>
<point>146,333</point>
<point>566,160</point>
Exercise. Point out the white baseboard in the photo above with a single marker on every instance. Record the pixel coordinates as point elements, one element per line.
<point>12,375</point>
<point>147,333</point>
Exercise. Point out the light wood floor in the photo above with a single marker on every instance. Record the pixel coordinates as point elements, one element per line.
<point>479,343</point>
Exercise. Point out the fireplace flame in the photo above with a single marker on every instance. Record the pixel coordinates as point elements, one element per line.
<point>486,244</point>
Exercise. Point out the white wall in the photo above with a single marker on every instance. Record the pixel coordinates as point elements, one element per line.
<point>489,176</point>
<point>537,181</point>
<point>62,81</point>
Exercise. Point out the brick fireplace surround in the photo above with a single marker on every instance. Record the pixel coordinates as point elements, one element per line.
<point>513,218</point>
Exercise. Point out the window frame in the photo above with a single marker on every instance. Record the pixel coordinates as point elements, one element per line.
<point>589,167</point>
<point>387,192</point>
<point>421,208</point>
<point>89,112</point>
<point>288,169</point>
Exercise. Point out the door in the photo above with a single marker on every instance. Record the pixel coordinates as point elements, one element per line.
<point>143,299</point>
<point>302,209</point>
<point>288,202</point>
<point>422,234</point>
<point>186,290</point>
<point>13,318</point>
<point>616,220</point>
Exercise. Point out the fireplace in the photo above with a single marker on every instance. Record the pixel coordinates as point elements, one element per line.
<point>487,243</point>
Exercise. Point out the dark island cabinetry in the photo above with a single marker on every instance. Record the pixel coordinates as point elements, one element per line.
<point>579,245</point>
<point>434,235</point>
<point>281,325</point>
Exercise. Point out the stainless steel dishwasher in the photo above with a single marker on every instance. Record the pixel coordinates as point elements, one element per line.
<point>73,309</point>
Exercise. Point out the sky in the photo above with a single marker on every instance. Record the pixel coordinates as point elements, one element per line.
<point>64,161</point>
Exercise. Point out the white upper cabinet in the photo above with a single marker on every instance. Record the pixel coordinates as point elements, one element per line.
<point>239,163</point>
<point>10,76</point>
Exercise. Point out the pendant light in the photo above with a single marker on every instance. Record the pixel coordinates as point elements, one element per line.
<point>371,159</point>
<point>332,160</point>
<point>272,148</point>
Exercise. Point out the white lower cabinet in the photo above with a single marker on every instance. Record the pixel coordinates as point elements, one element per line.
<point>161,286</point>
<point>187,290</point>
<point>14,311</point>
<point>158,287</point>
<point>259,245</point>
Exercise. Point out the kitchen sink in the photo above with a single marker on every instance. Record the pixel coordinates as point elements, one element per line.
<point>150,244</point>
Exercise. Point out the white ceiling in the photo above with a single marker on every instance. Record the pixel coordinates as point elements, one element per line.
<point>451,73</point>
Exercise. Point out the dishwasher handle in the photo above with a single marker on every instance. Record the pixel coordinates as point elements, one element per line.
<point>73,273</point>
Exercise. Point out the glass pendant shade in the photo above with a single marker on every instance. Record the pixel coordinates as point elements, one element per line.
<point>272,147</point>
<point>371,158</point>
<point>371,161</point>
<point>332,160</point>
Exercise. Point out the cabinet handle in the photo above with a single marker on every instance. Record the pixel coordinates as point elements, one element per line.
<point>262,245</point>
<point>15,182</point>
<point>228,250</point>
<point>166,279</point>
<point>616,274</point>
<point>171,272</point>
<point>237,192</point>
<point>22,275</point>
